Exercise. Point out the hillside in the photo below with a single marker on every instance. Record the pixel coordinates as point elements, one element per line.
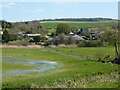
<point>80,24</point>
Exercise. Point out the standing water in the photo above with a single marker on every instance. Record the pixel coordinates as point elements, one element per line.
<point>39,66</point>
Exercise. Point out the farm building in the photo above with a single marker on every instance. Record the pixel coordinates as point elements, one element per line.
<point>31,35</point>
<point>66,37</point>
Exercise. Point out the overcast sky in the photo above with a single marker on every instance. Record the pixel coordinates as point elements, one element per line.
<point>27,11</point>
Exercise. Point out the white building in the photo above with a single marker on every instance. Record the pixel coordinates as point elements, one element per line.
<point>1,32</point>
<point>31,35</point>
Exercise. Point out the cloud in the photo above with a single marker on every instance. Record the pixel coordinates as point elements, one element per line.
<point>7,5</point>
<point>34,11</point>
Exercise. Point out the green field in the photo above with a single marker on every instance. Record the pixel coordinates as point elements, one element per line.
<point>9,66</point>
<point>74,71</point>
<point>80,24</point>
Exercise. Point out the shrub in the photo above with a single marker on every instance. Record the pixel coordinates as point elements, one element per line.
<point>47,43</point>
<point>90,43</point>
<point>82,44</point>
<point>69,41</point>
<point>36,39</point>
<point>19,42</point>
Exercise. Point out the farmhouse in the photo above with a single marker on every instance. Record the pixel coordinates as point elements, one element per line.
<point>1,32</point>
<point>77,38</point>
<point>71,33</point>
<point>31,35</point>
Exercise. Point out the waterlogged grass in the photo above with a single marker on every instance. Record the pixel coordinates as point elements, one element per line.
<point>74,71</point>
<point>15,66</point>
<point>12,66</point>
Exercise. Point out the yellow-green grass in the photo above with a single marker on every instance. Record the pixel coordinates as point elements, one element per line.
<point>73,72</point>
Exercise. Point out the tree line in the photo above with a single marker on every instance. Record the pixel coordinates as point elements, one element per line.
<point>77,19</point>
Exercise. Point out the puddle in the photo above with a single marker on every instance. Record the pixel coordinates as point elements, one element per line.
<point>40,66</point>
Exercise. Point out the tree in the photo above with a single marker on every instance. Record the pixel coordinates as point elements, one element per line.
<point>111,36</point>
<point>6,36</point>
<point>63,28</point>
<point>29,27</point>
<point>36,39</point>
<point>5,24</point>
<point>60,39</point>
<point>74,28</point>
<point>118,39</point>
<point>70,41</point>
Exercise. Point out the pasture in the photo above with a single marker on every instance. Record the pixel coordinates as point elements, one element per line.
<point>74,68</point>
<point>79,24</point>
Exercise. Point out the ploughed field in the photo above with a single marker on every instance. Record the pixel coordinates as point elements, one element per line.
<point>58,67</point>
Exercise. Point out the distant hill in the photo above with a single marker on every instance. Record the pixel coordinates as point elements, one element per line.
<point>77,19</point>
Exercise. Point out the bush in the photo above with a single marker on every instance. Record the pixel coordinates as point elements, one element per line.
<point>69,41</point>
<point>90,43</point>
<point>19,42</point>
<point>47,43</point>
<point>82,44</point>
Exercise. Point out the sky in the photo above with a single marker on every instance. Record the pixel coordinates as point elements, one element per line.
<point>28,11</point>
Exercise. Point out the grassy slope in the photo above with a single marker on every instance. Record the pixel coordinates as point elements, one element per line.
<point>81,24</point>
<point>93,52</point>
<point>75,71</point>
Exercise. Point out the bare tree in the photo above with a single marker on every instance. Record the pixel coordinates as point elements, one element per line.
<point>111,36</point>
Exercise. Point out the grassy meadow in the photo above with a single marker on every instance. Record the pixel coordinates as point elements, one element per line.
<point>75,70</point>
<point>80,24</point>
